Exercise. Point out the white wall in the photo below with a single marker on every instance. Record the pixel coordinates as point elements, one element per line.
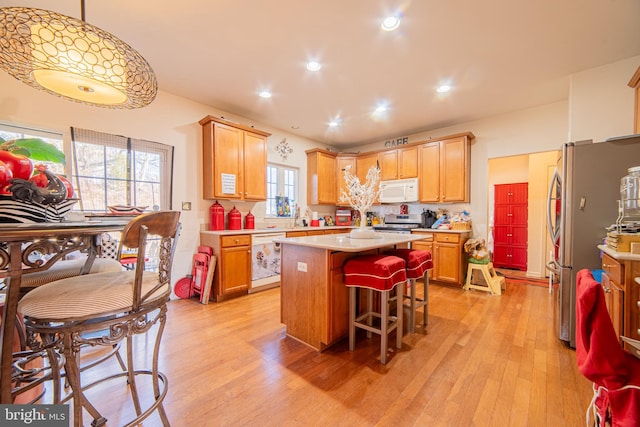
<point>601,103</point>
<point>169,120</point>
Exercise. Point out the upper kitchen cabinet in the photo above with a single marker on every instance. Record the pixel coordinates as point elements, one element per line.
<point>234,160</point>
<point>635,84</point>
<point>343,163</point>
<point>445,169</point>
<point>400,163</point>
<point>321,177</point>
<point>364,162</point>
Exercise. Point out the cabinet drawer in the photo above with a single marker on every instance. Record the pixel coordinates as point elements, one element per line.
<point>237,240</point>
<point>613,268</point>
<point>446,237</point>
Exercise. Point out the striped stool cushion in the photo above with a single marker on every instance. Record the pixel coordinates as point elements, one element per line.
<point>87,296</point>
<point>379,272</point>
<point>418,261</point>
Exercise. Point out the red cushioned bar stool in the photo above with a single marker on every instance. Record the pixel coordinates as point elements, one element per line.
<point>418,263</point>
<point>380,273</point>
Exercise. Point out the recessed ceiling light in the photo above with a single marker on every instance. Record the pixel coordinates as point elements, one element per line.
<point>295,127</point>
<point>334,123</point>
<point>390,23</point>
<point>313,66</point>
<point>381,108</point>
<point>443,88</point>
<point>264,94</point>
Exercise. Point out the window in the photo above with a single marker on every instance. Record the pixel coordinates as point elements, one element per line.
<point>282,191</point>
<point>9,132</point>
<point>115,170</point>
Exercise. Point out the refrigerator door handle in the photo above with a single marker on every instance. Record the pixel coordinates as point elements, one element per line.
<point>553,233</point>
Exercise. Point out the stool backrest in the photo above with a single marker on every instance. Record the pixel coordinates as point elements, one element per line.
<point>163,224</point>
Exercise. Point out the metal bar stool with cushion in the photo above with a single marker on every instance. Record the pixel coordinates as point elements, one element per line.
<point>380,273</point>
<point>418,263</point>
<point>71,314</point>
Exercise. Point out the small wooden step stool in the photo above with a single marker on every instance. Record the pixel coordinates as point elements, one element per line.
<point>494,283</point>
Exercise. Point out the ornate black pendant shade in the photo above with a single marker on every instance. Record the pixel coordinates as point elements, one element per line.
<point>72,59</point>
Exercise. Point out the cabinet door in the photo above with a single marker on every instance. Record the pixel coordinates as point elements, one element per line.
<point>447,266</point>
<point>255,167</point>
<point>364,163</point>
<point>454,160</point>
<point>321,178</point>
<point>408,162</point>
<point>430,172</point>
<point>614,299</point>
<point>389,165</point>
<point>228,159</point>
<point>236,269</point>
<point>342,164</point>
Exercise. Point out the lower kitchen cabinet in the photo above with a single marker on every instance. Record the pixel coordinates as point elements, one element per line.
<point>447,253</point>
<point>232,275</point>
<point>622,292</point>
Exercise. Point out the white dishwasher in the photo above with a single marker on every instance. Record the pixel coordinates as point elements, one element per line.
<point>265,261</point>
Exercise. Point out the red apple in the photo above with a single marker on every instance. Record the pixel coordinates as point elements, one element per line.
<point>5,174</point>
<point>20,165</point>
<point>39,178</point>
<point>67,184</point>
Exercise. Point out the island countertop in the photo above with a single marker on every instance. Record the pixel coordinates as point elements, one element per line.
<point>344,243</point>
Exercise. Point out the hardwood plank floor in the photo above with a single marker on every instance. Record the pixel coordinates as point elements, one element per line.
<point>484,361</point>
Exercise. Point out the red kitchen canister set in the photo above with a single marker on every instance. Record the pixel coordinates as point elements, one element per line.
<point>234,218</point>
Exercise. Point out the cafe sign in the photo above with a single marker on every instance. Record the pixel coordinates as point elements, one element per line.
<point>396,141</point>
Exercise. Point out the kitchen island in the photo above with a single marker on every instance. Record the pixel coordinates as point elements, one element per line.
<point>314,299</point>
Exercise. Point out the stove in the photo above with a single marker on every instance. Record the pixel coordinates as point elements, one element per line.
<point>402,223</point>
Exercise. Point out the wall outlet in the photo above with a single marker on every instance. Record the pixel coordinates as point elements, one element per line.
<point>186,206</point>
<point>302,266</point>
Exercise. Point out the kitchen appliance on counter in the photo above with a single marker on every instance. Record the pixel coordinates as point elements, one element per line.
<point>265,261</point>
<point>582,203</point>
<point>428,218</point>
<point>399,191</point>
<point>402,223</point>
<point>343,217</point>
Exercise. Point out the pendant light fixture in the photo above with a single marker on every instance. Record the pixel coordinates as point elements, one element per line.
<point>74,60</point>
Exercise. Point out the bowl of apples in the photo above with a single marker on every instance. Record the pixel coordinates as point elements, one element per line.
<point>29,192</point>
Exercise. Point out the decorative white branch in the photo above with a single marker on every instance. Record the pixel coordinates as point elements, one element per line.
<point>361,196</point>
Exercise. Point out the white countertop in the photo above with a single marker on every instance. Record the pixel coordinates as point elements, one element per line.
<point>628,256</point>
<point>344,243</point>
<point>274,230</point>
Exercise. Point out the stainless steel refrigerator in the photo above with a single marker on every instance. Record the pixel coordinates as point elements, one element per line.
<point>583,202</point>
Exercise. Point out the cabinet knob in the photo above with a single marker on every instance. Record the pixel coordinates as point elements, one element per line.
<point>606,266</point>
<point>237,240</point>
<point>606,290</point>
<point>638,304</point>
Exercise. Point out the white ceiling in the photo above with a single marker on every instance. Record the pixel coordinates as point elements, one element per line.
<point>499,56</point>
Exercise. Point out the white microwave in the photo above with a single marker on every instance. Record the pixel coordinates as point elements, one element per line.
<point>399,191</point>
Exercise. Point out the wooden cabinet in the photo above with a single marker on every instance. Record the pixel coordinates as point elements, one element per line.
<point>321,177</point>
<point>510,230</point>
<point>631,308</point>
<point>364,163</point>
<point>343,163</point>
<point>400,163</point>
<point>234,160</point>
<point>447,253</point>
<point>613,286</point>
<point>232,275</point>
<point>635,84</point>
<point>444,170</point>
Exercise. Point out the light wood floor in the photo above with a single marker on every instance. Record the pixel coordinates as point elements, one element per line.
<point>484,361</point>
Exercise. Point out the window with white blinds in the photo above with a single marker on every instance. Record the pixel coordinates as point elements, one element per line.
<point>113,170</point>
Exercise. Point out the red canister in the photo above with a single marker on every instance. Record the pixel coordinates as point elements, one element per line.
<point>249,221</point>
<point>235,219</point>
<point>216,217</point>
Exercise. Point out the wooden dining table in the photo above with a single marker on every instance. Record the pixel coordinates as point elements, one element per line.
<point>31,247</point>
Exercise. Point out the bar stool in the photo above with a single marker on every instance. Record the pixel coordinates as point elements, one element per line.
<point>380,273</point>
<point>418,263</point>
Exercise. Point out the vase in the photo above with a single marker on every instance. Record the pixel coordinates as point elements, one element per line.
<point>363,232</point>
